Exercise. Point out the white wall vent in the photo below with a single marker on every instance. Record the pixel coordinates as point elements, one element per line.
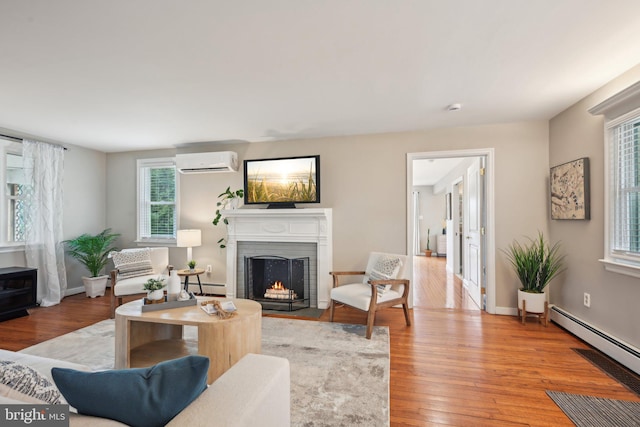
<point>217,161</point>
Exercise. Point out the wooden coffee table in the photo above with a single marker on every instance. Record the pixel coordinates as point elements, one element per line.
<point>144,339</point>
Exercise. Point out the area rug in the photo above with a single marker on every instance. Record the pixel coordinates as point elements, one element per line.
<point>589,411</point>
<point>338,377</point>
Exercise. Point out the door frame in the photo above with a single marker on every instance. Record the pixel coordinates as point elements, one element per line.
<point>490,245</point>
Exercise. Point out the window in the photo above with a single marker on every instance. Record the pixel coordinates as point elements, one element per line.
<point>622,180</point>
<point>157,200</point>
<point>12,195</point>
<point>624,187</point>
<point>15,194</point>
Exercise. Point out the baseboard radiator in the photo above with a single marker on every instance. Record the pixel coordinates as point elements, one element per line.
<point>622,352</point>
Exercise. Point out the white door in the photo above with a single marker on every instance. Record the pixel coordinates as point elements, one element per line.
<point>473,225</point>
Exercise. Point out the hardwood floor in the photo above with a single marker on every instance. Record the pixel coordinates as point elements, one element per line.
<point>455,366</point>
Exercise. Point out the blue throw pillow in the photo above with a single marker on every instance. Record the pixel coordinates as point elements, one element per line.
<point>141,397</point>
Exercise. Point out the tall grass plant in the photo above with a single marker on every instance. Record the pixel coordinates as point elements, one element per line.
<point>536,263</point>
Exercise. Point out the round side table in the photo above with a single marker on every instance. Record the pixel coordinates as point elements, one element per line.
<point>186,273</point>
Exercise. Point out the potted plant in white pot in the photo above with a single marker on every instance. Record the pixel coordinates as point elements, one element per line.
<point>536,264</point>
<point>93,253</point>
<point>154,289</point>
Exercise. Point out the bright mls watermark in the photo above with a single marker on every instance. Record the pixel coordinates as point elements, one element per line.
<point>34,415</point>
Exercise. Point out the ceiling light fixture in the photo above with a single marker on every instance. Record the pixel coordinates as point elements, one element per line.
<point>454,107</point>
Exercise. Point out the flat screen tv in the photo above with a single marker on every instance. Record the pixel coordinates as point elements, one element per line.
<point>282,182</point>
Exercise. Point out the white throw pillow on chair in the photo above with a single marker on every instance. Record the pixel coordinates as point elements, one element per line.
<point>132,262</point>
<point>385,267</point>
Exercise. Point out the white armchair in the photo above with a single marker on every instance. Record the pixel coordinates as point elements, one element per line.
<point>386,278</point>
<point>134,284</point>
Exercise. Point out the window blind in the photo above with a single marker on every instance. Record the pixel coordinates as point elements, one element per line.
<point>157,201</point>
<point>625,167</point>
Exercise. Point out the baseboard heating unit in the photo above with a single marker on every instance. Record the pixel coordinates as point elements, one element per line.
<point>624,353</point>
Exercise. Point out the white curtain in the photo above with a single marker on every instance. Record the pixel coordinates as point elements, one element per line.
<point>416,223</point>
<point>44,246</point>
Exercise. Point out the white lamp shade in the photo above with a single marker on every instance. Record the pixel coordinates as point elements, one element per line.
<point>188,238</point>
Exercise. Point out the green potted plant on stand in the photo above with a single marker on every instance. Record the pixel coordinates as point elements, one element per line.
<point>228,199</point>
<point>536,264</point>
<point>93,253</point>
<point>192,265</point>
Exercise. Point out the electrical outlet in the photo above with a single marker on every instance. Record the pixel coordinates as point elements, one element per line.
<point>587,300</point>
<point>209,268</point>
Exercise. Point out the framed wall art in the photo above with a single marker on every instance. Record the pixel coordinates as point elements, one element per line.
<point>569,184</point>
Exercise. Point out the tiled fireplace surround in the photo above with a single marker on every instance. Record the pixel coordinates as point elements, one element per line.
<point>284,232</point>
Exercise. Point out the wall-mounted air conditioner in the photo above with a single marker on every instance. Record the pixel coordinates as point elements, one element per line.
<point>219,161</point>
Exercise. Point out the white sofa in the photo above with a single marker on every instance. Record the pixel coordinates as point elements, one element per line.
<point>255,391</point>
<point>134,285</point>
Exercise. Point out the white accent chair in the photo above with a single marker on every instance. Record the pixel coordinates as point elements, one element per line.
<point>358,295</point>
<point>135,285</point>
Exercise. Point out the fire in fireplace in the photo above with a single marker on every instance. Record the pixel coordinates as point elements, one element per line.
<point>277,283</point>
<point>278,291</point>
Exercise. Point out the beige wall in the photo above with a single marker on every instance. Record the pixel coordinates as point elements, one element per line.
<point>84,202</point>
<point>573,134</point>
<point>363,178</point>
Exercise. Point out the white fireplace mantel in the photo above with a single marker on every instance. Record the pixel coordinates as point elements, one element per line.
<point>282,225</point>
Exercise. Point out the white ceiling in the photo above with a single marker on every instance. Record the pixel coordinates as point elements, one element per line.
<point>121,75</point>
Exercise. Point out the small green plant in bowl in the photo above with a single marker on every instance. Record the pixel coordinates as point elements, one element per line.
<point>154,284</point>
<point>191,264</point>
<point>154,289</point>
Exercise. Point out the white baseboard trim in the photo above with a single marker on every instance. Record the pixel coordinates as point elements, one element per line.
<point>208,288</point>
<point>623,352</point>
<point>74,291</point>
<point>507,311</point>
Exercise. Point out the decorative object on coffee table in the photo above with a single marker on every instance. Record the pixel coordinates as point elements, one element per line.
<point>154,289</point>
<point>173,286</point>
<point>224,310</point>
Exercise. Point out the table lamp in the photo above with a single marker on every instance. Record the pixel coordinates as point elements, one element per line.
<point>188,239</point>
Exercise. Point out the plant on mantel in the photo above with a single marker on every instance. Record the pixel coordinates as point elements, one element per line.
<point>226,198</point>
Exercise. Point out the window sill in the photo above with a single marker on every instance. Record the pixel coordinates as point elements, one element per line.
<point>621,268</point>
<point>8,247</point>
<point>144,243</point>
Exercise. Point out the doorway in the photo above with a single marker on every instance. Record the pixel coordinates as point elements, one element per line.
<point>468,219</point>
